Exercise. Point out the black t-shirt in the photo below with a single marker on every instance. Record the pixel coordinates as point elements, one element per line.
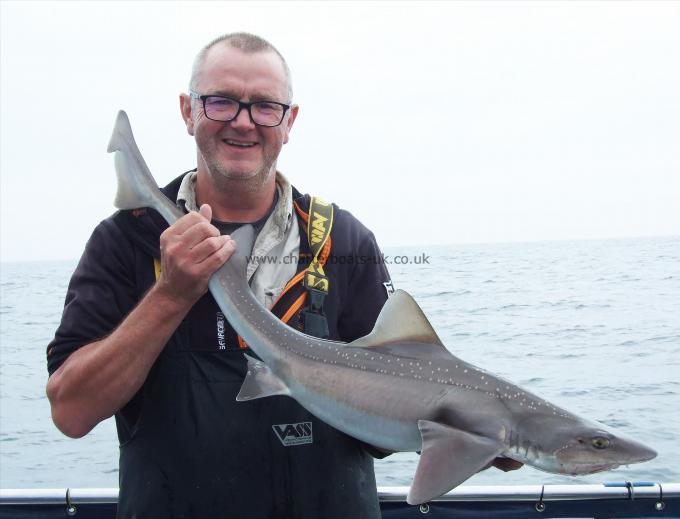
<point>230,227</point>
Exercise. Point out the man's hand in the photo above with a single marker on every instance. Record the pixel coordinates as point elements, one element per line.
<point>191,250</point>
<point>101,377</point>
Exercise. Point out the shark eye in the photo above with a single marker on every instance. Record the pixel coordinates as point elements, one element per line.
<point>600,443</point>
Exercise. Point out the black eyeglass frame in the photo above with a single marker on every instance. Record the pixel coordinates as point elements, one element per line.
<point>241,106</point>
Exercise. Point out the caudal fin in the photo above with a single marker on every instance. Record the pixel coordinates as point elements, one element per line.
<point>136,186</point>
<point>121,131</point>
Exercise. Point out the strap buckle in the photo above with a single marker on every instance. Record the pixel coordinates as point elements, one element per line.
<point>313,318</point>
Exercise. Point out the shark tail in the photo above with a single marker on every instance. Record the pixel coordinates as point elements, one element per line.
<point>136,186</point>
<point>127,197</point>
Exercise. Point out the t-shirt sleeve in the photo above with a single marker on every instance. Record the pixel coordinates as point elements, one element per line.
<point>101,292</point>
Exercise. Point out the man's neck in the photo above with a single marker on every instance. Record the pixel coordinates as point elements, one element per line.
<point>235,201</point>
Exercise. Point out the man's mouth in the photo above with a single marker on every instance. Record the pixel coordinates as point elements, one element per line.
<point>239,144</point>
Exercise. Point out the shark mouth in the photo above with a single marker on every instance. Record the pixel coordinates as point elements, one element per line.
<point>587,468</point>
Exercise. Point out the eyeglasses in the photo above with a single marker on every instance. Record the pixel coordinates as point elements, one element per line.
<point>224,109</point>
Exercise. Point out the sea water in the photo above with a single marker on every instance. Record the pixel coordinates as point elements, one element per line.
<point>592,326</point>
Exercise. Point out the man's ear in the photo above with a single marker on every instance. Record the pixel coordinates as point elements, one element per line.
<point>185,108</point>
<point>293,112</point>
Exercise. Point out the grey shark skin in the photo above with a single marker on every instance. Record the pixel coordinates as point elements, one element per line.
<point>398,388</point>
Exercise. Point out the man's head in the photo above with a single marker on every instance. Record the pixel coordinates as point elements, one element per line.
<point>244,68</point>
<point>249,44</point>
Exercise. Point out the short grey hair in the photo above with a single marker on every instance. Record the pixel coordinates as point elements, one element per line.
<point>247,43</point>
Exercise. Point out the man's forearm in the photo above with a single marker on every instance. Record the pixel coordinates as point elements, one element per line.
<point>101,377</point>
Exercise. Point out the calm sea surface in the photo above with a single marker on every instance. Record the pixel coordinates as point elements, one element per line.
<point>593,326</point>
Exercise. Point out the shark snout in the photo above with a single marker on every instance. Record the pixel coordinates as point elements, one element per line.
<point>641,453</point>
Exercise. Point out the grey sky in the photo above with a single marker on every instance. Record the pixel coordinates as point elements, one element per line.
<point>433,123</point>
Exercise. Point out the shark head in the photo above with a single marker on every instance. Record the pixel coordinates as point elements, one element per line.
<point>582,447</point>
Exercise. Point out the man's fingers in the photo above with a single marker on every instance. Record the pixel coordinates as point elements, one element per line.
<point>215,260</point>
<point>204,214</point>
<point>198,233</point>
<point>184,223</point>
<point>209,246</point>
<point>180,247</point>
<point>189,231</point>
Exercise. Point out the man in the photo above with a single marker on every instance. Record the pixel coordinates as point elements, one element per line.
<point>141,338</point>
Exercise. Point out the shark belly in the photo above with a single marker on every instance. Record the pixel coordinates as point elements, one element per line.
<point>379,409</point>
<point>380,431</point>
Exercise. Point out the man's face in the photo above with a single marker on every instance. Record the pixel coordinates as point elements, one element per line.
<point>238,149</point>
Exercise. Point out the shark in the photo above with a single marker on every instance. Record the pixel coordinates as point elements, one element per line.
<point>398,388</point>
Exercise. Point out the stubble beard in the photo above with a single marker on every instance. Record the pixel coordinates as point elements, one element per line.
<point>248,182</point>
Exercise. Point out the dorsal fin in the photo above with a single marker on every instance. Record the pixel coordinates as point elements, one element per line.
<point>401,320</point>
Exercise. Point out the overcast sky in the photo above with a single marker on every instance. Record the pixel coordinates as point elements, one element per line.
<point>433,123</point>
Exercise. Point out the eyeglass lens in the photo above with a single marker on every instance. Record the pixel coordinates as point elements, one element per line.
<point>224,109</point>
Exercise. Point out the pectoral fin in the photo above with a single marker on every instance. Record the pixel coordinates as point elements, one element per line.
<point>449,457</point>
<point>260,381</point>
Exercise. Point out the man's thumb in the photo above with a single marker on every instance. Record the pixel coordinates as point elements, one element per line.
<point>206,212</point>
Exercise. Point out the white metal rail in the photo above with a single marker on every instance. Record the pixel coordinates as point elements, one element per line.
<point>78,496</point>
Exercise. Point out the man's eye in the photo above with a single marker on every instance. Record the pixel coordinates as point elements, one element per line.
<point>268,107</point>
<point>220,102</point>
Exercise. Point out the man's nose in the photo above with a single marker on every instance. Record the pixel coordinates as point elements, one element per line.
<point>243,120</point>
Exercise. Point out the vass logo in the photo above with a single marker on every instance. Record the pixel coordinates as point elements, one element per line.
<point>294,433</point>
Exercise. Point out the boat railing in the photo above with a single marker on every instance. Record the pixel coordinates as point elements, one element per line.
<point>608,500</point>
